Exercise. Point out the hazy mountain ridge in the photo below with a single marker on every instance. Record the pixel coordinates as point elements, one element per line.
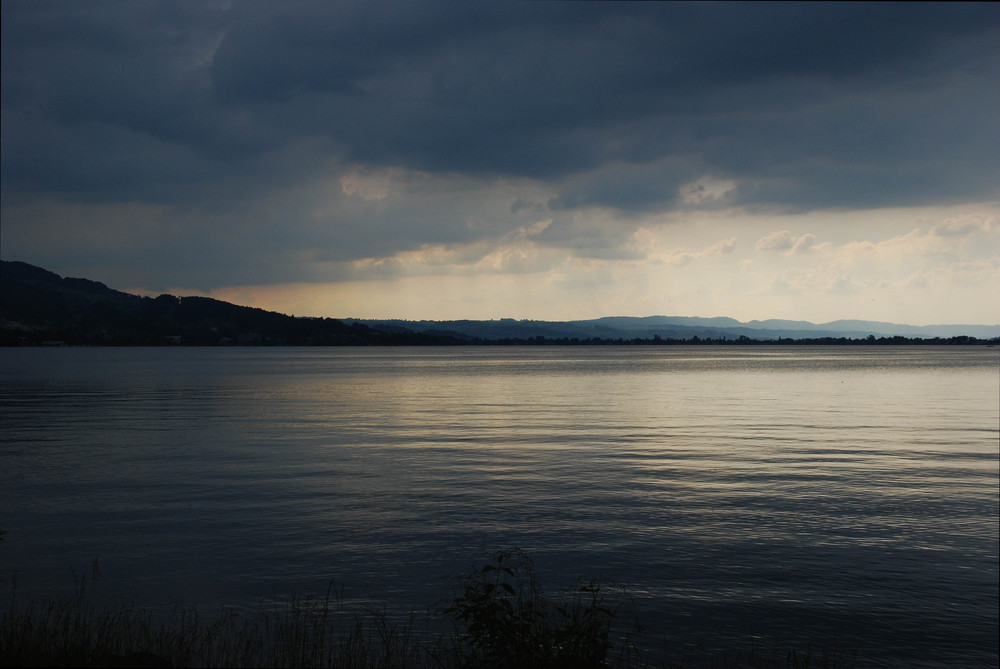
<point>679,327</point>
<point>37,305</point>
<point>850,328</point>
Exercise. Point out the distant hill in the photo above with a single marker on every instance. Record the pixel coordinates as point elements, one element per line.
<point>38,306</point>
<point>680,328</point>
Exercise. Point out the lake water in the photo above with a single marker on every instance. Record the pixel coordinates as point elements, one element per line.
<point>846,495</point>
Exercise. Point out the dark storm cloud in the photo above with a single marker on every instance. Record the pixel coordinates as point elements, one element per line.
<point>617,105</point>
<point>544,91</point>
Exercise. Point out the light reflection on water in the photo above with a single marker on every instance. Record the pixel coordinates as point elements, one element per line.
<point>801,492</point>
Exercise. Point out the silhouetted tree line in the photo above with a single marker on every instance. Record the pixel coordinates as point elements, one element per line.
<point>208,325</point>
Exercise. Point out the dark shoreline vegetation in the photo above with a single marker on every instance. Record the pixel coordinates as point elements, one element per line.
<point>40,308</point>
<point>18,339</point>
<point>498,617</point>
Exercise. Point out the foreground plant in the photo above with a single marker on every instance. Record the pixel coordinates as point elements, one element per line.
<point>503,619</point>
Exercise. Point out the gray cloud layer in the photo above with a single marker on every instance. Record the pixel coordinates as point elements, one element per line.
<point>212,106</point>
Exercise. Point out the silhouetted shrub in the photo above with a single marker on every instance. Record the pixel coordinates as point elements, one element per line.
<point>503,619</point>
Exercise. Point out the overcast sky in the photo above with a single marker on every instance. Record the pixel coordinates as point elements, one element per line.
<point>501,159</point>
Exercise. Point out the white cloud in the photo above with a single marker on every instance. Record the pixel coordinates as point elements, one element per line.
<point>961,226</point>
<point>649,244</point>
<point>786,241</point>
<point>804,243</point>
<point>776,241</point>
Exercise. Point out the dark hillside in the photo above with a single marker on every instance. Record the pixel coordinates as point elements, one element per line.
<point>38,307</point>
